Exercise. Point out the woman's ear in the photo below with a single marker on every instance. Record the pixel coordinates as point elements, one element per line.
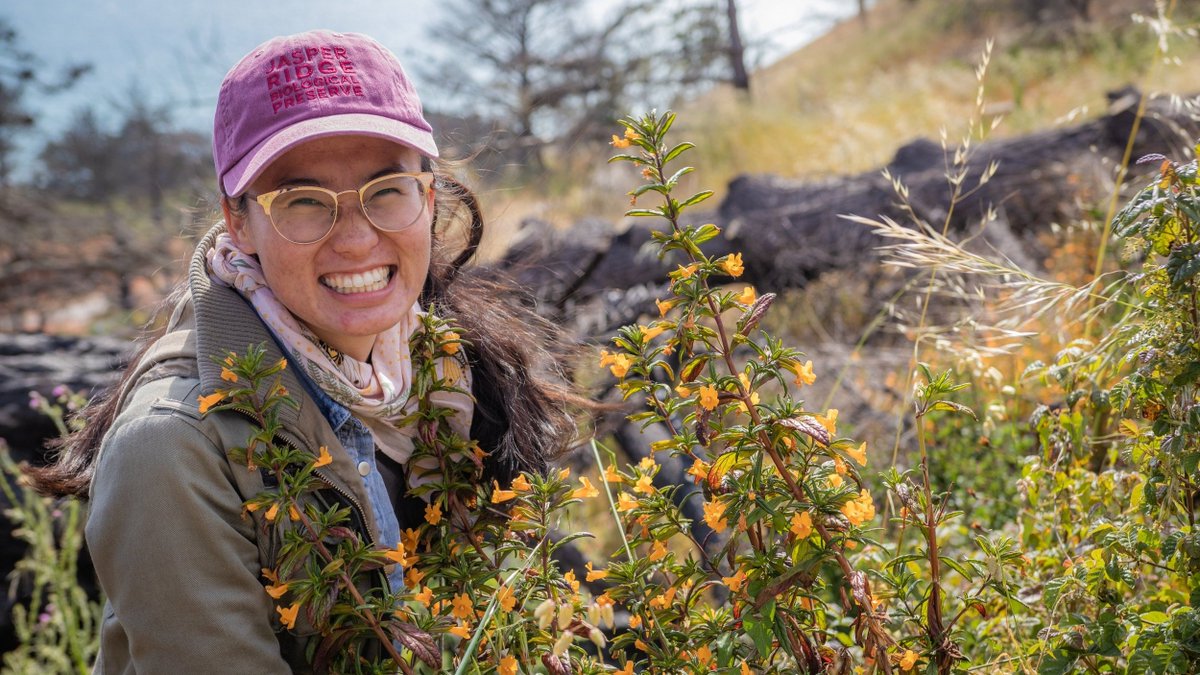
<point>235,223</point>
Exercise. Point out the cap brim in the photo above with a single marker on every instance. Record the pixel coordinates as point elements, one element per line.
<point>237,179</point>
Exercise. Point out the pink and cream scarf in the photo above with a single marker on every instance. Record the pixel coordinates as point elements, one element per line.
<point>375,391</point>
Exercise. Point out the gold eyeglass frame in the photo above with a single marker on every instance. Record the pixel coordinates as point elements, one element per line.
<point>425,178</point>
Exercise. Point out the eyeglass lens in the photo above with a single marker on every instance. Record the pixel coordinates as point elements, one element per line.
<point>305,215</point>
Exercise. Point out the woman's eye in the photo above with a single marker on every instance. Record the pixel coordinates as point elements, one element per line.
<point>301,202</point>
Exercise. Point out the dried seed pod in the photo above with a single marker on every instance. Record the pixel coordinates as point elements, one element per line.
<point>754,313</point>
<point>556,665</point>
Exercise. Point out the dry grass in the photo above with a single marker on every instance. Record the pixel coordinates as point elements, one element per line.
<point>847,101</point>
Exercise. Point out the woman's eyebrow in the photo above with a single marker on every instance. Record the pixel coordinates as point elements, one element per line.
<point>394,168</point>
<point>296,182</point>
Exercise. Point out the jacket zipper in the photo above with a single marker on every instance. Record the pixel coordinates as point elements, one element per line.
<point>362,513</point>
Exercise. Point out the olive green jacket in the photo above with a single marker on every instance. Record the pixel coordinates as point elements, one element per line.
<point>178,559</point>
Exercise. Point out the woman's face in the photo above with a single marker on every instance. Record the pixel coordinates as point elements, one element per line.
<point>315,281</point>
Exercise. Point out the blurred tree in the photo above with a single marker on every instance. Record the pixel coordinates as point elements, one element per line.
<point>564,70</point>
<point>142,161</point>
<point>527,62</point>
<point>21,71</point>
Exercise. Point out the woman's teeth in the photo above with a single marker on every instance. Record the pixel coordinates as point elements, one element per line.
<point>365,282</point>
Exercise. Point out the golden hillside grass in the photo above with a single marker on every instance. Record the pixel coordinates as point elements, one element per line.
<point>846,102</point>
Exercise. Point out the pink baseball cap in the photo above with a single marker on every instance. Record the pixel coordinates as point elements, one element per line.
<point>300,87</point>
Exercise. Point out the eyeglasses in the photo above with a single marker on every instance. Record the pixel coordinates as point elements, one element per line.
<point>306,215</point>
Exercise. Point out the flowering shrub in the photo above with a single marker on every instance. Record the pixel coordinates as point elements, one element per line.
<point>57,626</point>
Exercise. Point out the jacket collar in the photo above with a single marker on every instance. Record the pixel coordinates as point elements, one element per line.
<point>225,322</point>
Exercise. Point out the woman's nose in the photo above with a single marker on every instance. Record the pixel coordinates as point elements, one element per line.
<point>352,231</point>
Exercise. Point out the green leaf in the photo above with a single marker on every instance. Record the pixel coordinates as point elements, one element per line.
<point>705,233</point>
<point>696,198</point>
<point>953,407</point>
<point>1154,618</point>
<point>677,150</point>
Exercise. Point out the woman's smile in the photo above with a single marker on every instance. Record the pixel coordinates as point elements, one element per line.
<point>357,283</point>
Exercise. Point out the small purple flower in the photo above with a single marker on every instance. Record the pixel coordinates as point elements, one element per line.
<point>35,400</point>
<point>60,391</point>
<point>56,514</point>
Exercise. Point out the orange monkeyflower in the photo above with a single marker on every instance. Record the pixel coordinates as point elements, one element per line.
<point>277,590</point>
<point>635,621</point>
<point>593,575</point>
<point>699,470</point>
<point>288,615</point>
<point>682,391</point>
<point>908,659</point>
<point>229,359</point>
<point>508,665</point>
<point>647,463</point>
<point>829,421</point>
<point>397,555</point>
<point>228,375</point>
<point>839,466</point>
<point>732,264</point>
<point>611,475</point>
<point>410,537</point>
<point>433,513</point>
<point>425,597</point>
<point>617,363</point>
<point>270,575</point>
<point>626,502</point>
<point>664,306</point>
<point>708,397</point>
<point>506,599</point>
<point>804,373</point>
<point>643,485</point>
<point>499,496</point>
<point>858,454</point>
<point>653,330</point>
<point>293,512</point>
<point>748,296</point>
<point>859,510</point>
<point>569,577</point>
<point>802,525</point>
<point>663,600</point>
<point>450,344</point>
<point>521,484</point>
<point>714,515</point>
<point>413,577</point>
<point>462,630</point>
<point>746,668</point>
<point>461,606</point>
<point>587,491</point>
<point>207,402</point>
<point>627,670</point>
<point>624,142</point>
<point>641,645</point>
<point>835,480</point>
<point>658,551</point>
<point>272,513</point>
<point>704,655</point>
<point>282,364</point>
<point>735,582</point>
<point>323,459</point>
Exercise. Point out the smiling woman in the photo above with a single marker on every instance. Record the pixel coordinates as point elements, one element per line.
<point>331,254</point>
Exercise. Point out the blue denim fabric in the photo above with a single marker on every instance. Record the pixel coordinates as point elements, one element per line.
<point>357,440</point>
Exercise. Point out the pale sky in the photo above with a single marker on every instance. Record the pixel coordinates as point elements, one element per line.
<point>177,51</point>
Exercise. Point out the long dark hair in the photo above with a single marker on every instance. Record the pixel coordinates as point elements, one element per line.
<point>526,405</point>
